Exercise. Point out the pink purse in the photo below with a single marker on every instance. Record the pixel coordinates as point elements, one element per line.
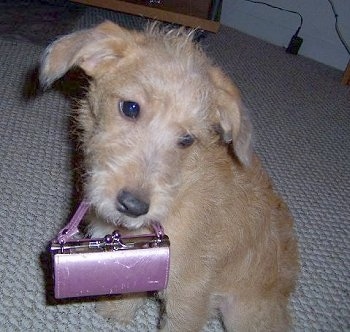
<point>109,265</point>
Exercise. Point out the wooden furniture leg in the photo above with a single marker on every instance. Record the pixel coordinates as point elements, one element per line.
<point>346,76</point>
<point>154,13</point>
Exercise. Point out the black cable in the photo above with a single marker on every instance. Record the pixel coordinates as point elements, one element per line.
<point>285,10</point>
<point>301,19</point>
<point>337,28</point>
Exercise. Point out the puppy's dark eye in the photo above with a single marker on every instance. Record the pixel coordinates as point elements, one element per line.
<point>130,109</point>
<point>185,141</point>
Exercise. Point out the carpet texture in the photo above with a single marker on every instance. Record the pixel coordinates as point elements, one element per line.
<point>301,116</point>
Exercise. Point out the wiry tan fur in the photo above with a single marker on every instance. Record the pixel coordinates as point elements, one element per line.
<point>232,243</point>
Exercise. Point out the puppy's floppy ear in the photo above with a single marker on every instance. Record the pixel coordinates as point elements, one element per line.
<point>234,124</point>
<point>86,49</point>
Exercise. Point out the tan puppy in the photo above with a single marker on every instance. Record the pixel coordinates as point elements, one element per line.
<point>165,138</point>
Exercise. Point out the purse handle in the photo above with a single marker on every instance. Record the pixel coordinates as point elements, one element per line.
<point>71,228</point>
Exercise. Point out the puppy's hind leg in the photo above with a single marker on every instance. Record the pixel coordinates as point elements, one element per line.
<point>255,314</point>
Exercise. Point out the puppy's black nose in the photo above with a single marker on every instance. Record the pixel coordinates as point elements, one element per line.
<point>130,205</point>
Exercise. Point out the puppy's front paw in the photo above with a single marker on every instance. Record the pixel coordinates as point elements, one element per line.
<point>121,309</point>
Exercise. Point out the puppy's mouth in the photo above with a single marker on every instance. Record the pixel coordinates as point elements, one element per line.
<point>128,208</point>
<point>132,223</point>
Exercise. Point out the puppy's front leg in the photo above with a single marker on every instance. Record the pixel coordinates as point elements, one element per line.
<point>122,309</point>
<point>186,310</point>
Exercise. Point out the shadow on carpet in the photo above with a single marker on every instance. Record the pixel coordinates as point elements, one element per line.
<point>37,21</point>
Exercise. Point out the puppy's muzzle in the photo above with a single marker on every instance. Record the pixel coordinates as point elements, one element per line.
<point>130,205</point>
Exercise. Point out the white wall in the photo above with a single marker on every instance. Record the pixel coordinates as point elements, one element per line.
<point>321,41</point>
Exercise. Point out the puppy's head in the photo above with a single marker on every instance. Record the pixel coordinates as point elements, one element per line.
<point>154,99</point>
